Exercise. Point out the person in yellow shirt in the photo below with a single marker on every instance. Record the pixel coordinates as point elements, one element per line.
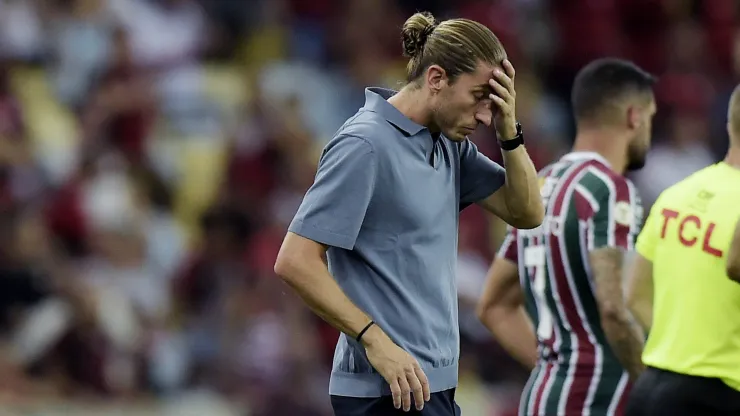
<point>684,292</point>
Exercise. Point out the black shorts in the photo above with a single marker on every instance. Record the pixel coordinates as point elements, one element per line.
<point>660,393</point>
<point>440,404</point>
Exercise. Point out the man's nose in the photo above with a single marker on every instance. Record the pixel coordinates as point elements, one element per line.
<point>484,115</point>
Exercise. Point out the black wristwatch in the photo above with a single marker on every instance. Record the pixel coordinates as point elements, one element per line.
<point>517,141</point>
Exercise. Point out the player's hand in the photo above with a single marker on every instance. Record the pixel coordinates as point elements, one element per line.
<point>398,368</point>
<point>504,98</point>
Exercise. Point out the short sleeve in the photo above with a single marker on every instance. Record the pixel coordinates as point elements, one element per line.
<point>479,176</point>
<point>647,241</point>
<point>509,248</point>
<point>615,216</point>
<point>333,209</point>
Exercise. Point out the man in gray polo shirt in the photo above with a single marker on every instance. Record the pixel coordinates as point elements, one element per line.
<point>373,247</point>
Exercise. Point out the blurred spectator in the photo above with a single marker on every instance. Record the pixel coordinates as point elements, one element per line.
<point>21,33</point>
<point>81,34</point>
<point>121,107</point>
<point>20,179</point>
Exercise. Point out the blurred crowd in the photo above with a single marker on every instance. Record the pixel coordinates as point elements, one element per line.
<point>152,153</point>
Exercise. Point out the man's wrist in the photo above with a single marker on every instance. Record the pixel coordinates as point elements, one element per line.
<point>372,336</point>
<point>512,142</point>
<point>510,133</point>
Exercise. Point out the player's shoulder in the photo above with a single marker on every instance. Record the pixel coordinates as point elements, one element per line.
<point>602,181</point>
<point>685,186</point>
<point>605,174</point>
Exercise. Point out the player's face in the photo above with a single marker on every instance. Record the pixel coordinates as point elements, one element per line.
<point>464,104</point>
<point>640,144</point>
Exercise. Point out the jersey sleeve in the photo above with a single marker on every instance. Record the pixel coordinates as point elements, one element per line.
<point>647,241</point>
<point>333,210</point>
<point>509,249</point>
<point>613,211</point>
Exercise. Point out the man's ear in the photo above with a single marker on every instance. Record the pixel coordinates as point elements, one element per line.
<point>634,118</point>
<point>436,78</point>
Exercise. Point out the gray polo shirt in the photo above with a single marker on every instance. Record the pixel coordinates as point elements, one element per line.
<point>386,199</point>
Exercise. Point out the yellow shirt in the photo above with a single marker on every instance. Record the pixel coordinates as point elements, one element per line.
<point>696,307</point>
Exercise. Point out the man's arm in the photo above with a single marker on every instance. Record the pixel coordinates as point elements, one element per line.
<point>501,308</point>
<point>733,256</point>
<point>512,194</point>
<point>611,200</point>
<point>518,202</point>
<point>625,338</point>
<point>332,214</point>
<point>302,265</point>
<point>639,285</point>
<point>640,292</point>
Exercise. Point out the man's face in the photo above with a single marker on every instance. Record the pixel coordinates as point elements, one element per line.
<point>460,106</point>
<point>639,147</point>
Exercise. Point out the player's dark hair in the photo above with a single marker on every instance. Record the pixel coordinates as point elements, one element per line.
<point>456,45</point>
<point>603,81</point>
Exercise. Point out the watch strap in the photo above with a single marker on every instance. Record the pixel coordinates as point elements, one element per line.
<point>517,141</point>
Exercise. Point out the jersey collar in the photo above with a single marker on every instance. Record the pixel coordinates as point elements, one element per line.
<point>576,156</point>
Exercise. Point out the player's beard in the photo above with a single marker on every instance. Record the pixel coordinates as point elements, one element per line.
<point>636,157</point>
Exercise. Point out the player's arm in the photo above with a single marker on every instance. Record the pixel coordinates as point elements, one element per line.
<point>639,285</point>
<point>640,292</point>
<point>733,256</point>
<point>625,338</point>
<point>612,235</point>
<point>501,308</point>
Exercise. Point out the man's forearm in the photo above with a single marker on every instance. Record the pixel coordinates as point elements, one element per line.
<point>626,340</point>
<point>522,189</point>
<point>318,289</point>
<point>624,336</point>
<point>513,330</point>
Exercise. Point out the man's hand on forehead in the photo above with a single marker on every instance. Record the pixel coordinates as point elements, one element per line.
<point>504,97</point>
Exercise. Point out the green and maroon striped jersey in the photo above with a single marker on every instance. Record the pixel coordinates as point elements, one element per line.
<point>588,206</point>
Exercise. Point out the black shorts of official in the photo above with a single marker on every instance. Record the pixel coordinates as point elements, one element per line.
<point>440,404</point>
<point>662,393</point>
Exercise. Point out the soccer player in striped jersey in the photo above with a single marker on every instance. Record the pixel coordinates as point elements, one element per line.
<point>553,298</point>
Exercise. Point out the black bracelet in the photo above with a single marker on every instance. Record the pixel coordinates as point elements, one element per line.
<point>359,336</point>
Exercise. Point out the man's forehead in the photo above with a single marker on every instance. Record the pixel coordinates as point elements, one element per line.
<point>482,73</point>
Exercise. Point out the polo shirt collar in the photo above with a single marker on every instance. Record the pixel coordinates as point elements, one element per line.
<point>376,100</point>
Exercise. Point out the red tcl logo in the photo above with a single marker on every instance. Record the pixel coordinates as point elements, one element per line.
<point>691,230</point>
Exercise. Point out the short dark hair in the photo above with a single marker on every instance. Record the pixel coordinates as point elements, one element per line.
<point>605,80</point>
